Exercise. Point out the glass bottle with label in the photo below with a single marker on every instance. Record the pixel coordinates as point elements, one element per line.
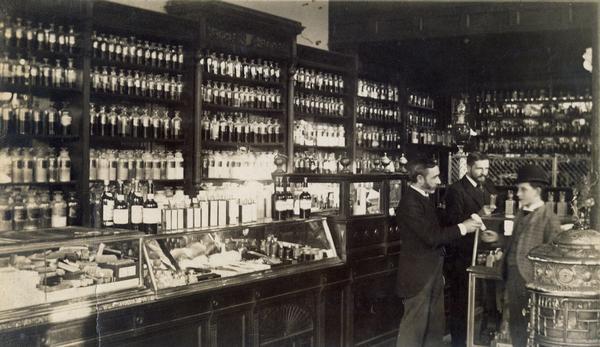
<point>108,204</point>
<point>33,212</point>
<point>121,210</point>
<point>177,126</point>
<point>150,214</point>
<point>305,200</point>
<point>6,213</point>
<point>136,204</point>
<point>73,209</point>
<point>19,213</point>
<point>64,166</point>
<point>59,211</point>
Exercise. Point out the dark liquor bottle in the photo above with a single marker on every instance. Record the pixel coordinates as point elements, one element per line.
<point>136,204</point>
<point>305,200</point>
<point>121,210</point>
<point>280,201</point>
<point>108,204</point>
<point>150,213</point>
<point>289,199</point>
<point>72,209</point>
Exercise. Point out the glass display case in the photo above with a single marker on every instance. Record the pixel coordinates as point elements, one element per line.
<point>175,260</point>
<point>51,265</point>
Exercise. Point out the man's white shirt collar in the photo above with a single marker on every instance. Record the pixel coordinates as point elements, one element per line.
<point>420,191</point>
<point>534,206</point>
<point>472,181</point>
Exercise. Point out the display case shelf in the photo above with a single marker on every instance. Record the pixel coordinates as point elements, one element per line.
<point>417,107</point>
<point>39,91</point>
<point>300,90</point>
<point>224,108</point>
<point>324,148</point>
<point>18,138</point>
<point>319,117</point>
<point>233,145</point>
<point>240,81</point>
<point>54,185</point>
<point>379,122</point>
<point>98,62</point>
<point>134,99</point>
<point>96,140</point>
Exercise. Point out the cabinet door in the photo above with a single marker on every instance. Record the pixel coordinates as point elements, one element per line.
<point>288,321</point>
<point>229,330</point>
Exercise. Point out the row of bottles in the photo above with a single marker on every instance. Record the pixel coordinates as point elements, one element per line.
<point>134,51</point>
<point>420,100</point>
<point>378,90</point>
<point>377,111</point>
<point>285,202</point>
<point>34,165</point>
<point>496,97</point>
<point>138,122</point>
<point>136,83</point>
<point>532,127</point>
<point>327,106</point>
<point>422,119</point>
<point>549,109</point>
<point>44,37</point>
<point>376,137</point>
<point>370,162</point>
<point>139,207</point>
<point>425,136</point>
<point>240,127</point>
<point>33,209</point>
<point>227,94</point>
<point>308,133</point>
<point>538,146</point>
<point>316,162</point>
<point>240,164</point>
<point>23,115</point>
<point>34,72</point>
<point>141,165</point>
<point>318,80</point>
<point>240,67</point>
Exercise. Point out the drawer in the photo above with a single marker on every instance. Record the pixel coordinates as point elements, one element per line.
<point>366,232</point>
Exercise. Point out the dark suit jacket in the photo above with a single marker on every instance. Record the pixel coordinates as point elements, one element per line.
<point>538,227</point>
<point>422,240</point>
<point>462,200</point>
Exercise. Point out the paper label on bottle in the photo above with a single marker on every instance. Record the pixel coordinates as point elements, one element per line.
<point>189,217</point>
<point>305,204</point>
<point>204,212</point>
<point>128,271</point>
<point>121,216</point>
<point>107,211</point>
<point>136,214</point>
<point>197,217</point>
<point>280,205</point>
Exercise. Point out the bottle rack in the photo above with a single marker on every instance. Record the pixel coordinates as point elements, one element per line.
<point>533,122</point>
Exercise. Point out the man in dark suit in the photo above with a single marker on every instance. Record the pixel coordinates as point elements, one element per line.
<point>419,279</point>
<point>463,198</point>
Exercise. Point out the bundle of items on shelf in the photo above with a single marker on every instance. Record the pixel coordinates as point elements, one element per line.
<point>142,165</point>
<point>139,122</point>
<point>318,80</point>
<point>240,127</point>
<point>239,67</point>
<point>317,162</point>
<point>241,164</point>
<point>234,95</point>
<point>22,115</point>
<point>319,105</point>
<point>308,133</point>
<point>31,209</point>
<point>134,51</point>
<point>137,83</point>
<point>34,165</point>
<point>376,137</point>
<point>31,71</point>
<point>44,37</point>
<point>378,90</point>
<point>374,110</point>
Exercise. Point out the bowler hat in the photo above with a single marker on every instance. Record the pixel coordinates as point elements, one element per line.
<point>532,173</point>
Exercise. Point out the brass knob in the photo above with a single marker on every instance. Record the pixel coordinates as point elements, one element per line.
<point>139,320</point>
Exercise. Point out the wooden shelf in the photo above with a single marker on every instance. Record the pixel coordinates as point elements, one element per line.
<point>321,148</point>
<point>46,92</point>
<point>234,145</point>
<point>131,66</point>
<point>234,180</point>
<point>320,117</point>
<point>378,122</point>
<point>119,141</point>
<point>428,146</point>
<point>41,184</point>
<point>319,92</point>
<point>379,149</point>
<point>421,108</point>
<point>240,81</point>
<point>382,101</point>
<point>161,181</point>
<point>134,99</point>
<point>41,54</point>
<point>44,138</point>
<point>224,108</point>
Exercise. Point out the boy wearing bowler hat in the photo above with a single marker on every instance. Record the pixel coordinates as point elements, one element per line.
<point>534,224</point>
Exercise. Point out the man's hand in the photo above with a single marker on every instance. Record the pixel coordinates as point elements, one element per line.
<point>472,225</point>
